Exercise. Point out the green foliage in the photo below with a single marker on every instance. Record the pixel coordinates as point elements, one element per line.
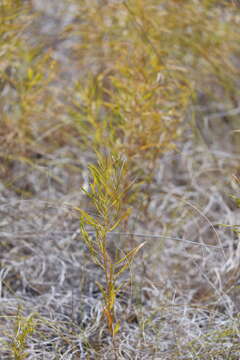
<point>109,196</point>
<point>23,328</point>
<point>140,65</point>
<point>149,61</point>
<point>27,71</point>
<point>134,104</point>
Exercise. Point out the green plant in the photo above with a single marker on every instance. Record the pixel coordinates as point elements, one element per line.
<point>23,328</point>
<point>135,104</point>
<point>110,195</point>
<point>149,61</point>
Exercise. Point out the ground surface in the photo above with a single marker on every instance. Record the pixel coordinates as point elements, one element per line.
<point>184,294</point>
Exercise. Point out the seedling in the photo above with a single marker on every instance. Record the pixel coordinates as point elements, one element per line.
<point>110,195</point>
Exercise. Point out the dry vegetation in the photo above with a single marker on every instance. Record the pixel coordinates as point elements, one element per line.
<point>119,179</point>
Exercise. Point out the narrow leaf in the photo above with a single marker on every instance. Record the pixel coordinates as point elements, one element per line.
<point>131,253</point>
<point>116,328</point>
<point>87,218</point>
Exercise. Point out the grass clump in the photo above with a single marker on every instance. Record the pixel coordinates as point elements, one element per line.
<point>23,328</point>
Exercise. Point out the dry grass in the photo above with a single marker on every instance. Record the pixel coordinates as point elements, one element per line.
<point>182,306</point>
<point>137,79</point>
